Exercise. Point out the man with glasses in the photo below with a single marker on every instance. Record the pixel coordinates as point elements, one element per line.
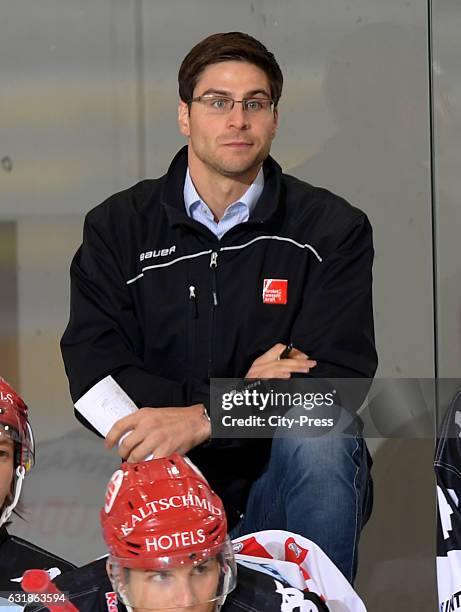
<point>216,270</point>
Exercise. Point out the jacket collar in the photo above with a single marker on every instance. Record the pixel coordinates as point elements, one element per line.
<point>173,193</point>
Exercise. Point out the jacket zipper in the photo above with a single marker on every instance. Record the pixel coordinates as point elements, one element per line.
<point>191,324</point>
<point>214,291</point>
<point>213,266</point>
<point>193,300</point>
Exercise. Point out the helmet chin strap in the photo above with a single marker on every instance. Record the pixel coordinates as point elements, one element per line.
<point>20,472</point>
<point>221,603</point>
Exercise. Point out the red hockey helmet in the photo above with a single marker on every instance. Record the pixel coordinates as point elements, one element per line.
<point>14,424</point>
<point>161,516</point>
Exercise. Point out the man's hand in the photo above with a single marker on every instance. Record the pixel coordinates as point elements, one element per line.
<point>160,431</point>
<point>269,365</point>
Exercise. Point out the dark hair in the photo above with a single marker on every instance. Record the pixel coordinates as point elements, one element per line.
<point>225,47</point>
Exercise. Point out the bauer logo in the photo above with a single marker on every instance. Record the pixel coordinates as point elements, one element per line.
<point>275,291</point>
<point>237,547</point>
<point>112,490</point>
<point>157,253</point>
<point>111,601</point>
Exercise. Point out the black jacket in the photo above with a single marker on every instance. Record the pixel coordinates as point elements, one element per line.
<point>18,555</point>
<point>135,315</point>
<point>90,590</point>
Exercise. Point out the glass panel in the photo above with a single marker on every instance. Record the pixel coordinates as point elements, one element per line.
<point>68,139</point>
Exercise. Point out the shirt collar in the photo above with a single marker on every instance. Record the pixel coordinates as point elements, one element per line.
<point>248,199</point>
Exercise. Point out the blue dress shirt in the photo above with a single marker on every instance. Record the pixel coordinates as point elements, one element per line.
<point>235,213</point>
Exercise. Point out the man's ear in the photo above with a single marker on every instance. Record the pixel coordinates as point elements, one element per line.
<point>109,571</point>
<point>183,118</point>
<point>276,122</point>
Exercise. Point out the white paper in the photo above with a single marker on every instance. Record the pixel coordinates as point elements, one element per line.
<point>105,404</point>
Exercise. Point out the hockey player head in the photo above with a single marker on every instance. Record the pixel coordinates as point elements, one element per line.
<point>16,448</point>
<point>167,536</point>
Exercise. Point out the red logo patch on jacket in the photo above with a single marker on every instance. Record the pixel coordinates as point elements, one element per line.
<point>112,602</point>
<point>275,291</point>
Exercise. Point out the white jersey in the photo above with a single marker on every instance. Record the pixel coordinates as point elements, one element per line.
<point>302,564</point>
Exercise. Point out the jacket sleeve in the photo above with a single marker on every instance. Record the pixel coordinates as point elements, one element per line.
<point>335,323</point>
<point>103,335</point>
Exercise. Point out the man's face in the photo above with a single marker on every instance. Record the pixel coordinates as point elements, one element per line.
<point>178,589</point>
<point>6,466</point>
<point>233,144</point>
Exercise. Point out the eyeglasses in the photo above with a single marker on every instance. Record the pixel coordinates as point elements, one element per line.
<point>221,105</point>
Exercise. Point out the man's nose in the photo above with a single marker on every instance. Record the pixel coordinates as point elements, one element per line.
<point>237,117</point>
<point>186,597</point>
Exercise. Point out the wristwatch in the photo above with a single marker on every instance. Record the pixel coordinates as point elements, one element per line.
<point>207,417</point>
